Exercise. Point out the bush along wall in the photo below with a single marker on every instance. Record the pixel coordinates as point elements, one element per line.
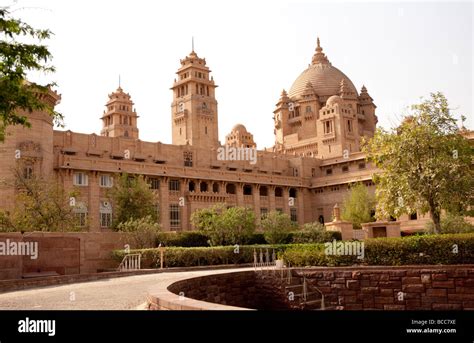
<point>201,256</point>
<point>426,249</point>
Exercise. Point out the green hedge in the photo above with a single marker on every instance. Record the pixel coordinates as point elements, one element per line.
<point>198,239</point>
<point>426,249</point>
<point>199,256</point>
<point>183,239</point>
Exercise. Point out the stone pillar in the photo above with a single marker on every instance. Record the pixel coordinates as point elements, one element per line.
<point>286,205</point>
<point>93,203</point>
<point>186,209</point>
<point>256,203</point>
<point>240,194</point>
<point>271,198</point>
<point>300,201</point>
<point>165,204</point>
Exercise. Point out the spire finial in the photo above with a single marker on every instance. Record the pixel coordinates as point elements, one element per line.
<point>192,43</point>
<point>119,81</point>
<point>319,57</point>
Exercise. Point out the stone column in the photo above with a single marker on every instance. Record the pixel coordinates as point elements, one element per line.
<point>286,206</point>
<point>93,206</point>
<point>300,201</point>
<point>256,203</point>
<point>186,209</point>
<point>240,194</point>
<point>165,204</point>
<point>271,198</point>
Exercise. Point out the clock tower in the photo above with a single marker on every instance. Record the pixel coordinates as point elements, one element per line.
<point>194,106</point>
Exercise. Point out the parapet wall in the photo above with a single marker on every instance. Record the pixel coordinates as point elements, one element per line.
<point>423,287</point>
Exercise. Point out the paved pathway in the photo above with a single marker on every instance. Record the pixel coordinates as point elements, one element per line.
<point>125,293</point>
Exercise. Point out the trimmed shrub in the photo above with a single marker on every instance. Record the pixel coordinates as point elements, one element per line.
<point>255,238</point>
<point>183,239</point>
<point>426,249</point>
<point>315,233</point>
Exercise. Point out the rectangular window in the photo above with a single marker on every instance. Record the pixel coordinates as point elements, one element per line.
<point>174,185</point>
<point>293,215</point>
<point>329,171</point>
<point>349,125</point>
<point>154,183</point>
<point>175,216</point>
<point>80,179</point>
<point>413,216</point>
<point>188,157</point>
<point>362,165</point>
<point>263,212</point>
<point>328,126</point>
<point>313,172</point>
<point>28,172</point>
<point>105,219</point>
<point>295,172</point>
<point>345,169</point>
<point>106,181</point>
<point>81,218</point>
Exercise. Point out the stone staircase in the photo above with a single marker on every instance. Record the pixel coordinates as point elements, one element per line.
<point>297,293</point>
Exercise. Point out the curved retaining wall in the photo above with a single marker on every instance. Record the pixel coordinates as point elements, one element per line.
<point>345,288</point>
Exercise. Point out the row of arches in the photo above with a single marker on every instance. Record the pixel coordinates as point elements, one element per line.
<point>231,188</point>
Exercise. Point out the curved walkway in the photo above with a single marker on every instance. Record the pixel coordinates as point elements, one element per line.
<point>124,293</point>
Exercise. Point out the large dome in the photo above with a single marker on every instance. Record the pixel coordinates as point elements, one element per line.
<point>325,79</point>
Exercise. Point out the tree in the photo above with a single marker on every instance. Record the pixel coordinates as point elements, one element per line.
<point>452,223</point>
<point>140,233</point>
<point>16,59</point>
<point>40,205</point>
<point>425,165</point>
<point>225,225</point>
<point>358,205</point>
<point>313,233</point>
<point>132,198</point>
<point>276,227</point>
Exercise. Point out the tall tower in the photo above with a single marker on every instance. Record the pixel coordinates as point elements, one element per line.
<point>194,106</point>
<point>120,118</point>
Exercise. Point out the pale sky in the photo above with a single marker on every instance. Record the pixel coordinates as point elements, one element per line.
<point>400,51</point>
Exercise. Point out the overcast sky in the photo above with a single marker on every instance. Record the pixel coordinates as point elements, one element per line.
<point>399,51</point>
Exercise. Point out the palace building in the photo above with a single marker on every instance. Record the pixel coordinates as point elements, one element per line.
<point>318,126</point>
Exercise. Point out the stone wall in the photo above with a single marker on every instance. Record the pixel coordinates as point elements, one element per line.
<point>241,289</point>
<point>344,288</point>
<point>395,288</point>
<point>64,253</point>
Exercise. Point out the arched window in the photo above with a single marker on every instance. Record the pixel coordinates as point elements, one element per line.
<point>292,193</point>
<point>192,186</point>
<point>263,191</point>
<point>230,188</point>
<point>215,187</point>
<point>203,187</point>
<point>278,192</point>
<point>247,190</point>
<point>321,219</point>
